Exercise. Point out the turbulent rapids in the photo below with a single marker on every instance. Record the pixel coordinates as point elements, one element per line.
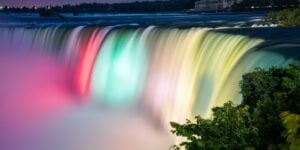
<point>165,74</point>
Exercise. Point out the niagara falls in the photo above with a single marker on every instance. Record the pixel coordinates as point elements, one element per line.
<point>149,75</point>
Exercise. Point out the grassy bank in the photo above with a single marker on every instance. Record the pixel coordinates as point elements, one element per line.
<point>287,17</point>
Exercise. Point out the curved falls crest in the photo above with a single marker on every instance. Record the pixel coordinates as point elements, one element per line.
<point>171,74</point>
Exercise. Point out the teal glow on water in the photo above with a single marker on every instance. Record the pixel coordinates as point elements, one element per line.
<point>119,69</point>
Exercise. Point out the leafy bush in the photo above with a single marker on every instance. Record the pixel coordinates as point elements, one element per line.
<point>229,128</point>
<point>257,122</point>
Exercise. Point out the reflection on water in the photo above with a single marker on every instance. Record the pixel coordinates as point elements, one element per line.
<point>162,20</point>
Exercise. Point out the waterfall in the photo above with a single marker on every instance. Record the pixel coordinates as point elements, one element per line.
<point>171,74</point>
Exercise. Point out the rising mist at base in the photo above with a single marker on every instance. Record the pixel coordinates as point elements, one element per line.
<point>40,109</point>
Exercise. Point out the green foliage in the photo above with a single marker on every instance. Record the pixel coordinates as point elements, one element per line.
<point>257,122</point>
<point>229,128</point>
<point>292,124</point>
<point>268,93</point>
<point>287,17</point>
<point>275,83</point>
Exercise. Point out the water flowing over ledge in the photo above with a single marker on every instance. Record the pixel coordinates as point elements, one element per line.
<point>171,74</point>
<point>158,74</point>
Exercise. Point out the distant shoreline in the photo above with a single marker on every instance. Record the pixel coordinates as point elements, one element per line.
<point>152,7</point>
<point>175,12</point>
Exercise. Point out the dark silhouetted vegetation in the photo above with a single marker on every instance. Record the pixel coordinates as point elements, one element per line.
<point>268,117</point>
<point>155,6</point>
<point>49,13</point>
<point>133,7</point>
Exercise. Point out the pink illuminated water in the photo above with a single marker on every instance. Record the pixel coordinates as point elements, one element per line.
<point>41,110</point>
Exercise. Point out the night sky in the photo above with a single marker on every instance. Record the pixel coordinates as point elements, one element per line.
<point>54,2</point>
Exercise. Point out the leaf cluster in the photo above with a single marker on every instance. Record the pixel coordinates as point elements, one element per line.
<point>292,124</point>
<point>268,93</point>
<point>260,122</point>
<point>229,128</point>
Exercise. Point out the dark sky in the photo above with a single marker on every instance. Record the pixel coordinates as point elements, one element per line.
<point>54,2</point>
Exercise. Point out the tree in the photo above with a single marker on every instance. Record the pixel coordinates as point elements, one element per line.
<point>259,122</point>
<point>229,128</point>
<point>268,93</point>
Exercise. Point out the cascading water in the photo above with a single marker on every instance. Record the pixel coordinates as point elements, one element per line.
<point>169,74</point>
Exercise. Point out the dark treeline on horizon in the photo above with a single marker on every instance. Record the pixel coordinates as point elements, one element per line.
<point>154,6</point>
<point>144,6</point>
